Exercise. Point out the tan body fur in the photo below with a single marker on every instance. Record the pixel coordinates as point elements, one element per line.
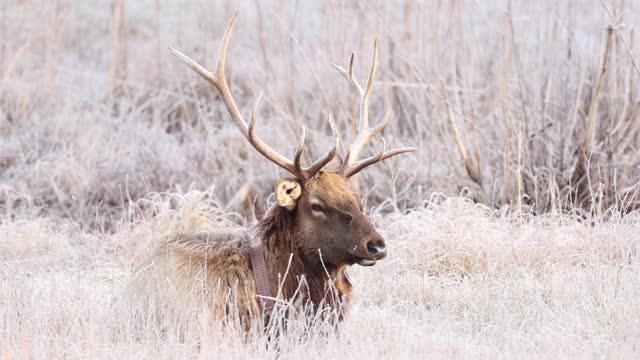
<point>213,270</point>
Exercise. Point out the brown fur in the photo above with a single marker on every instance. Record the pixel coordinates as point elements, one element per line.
<point>214,269</point>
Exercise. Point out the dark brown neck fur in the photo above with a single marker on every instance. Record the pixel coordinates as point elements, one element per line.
<point>279,235</point>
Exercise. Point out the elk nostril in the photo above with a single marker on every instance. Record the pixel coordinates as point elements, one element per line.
<point>377,249</point>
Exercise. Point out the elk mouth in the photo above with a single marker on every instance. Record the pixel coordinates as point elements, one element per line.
<point>366,262</point>
<point>368,259</point>
<point>363,261</point>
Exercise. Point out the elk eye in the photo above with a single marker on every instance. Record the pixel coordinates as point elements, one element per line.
<point>317,208</point>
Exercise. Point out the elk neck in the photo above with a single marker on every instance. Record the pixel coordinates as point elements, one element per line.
<point>280,237</point>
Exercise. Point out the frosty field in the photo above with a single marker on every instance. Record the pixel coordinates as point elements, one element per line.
<point>514,232</point>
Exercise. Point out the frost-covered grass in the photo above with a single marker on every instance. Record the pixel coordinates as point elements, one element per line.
<point>460,281</point>
<point>107,143</point>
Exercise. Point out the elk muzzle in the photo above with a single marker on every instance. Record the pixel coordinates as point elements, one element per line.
<point>376,250</point>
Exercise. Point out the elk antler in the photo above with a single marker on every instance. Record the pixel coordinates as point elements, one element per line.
<point>351,166</point>
<point>219,82</point>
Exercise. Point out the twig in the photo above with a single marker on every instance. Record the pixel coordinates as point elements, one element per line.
<point>617,26</point>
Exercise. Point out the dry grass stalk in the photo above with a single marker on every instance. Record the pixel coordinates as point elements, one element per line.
<point>468,163</point>
<point>118,63</point>
<point>585,150</point>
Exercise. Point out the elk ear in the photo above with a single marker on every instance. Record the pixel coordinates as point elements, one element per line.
<point>288,192</point>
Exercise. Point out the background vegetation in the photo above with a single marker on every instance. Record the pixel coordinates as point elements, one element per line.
<point>513,229</point>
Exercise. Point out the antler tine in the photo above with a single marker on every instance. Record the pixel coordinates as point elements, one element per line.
<point>218,80</point>
<point>398,151</point>
<point>298,154</point>
<point>350,75</point>
<point>355,168</point>
<point>364,111</point>
<point>364,134</point>
<point>267,151</point>
<point>320,163</point>
<point>222,51</point>
<point>376,158</point>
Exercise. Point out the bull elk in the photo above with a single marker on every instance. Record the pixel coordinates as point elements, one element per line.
<point>314,232</point>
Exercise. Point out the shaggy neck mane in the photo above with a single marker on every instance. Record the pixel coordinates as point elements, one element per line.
<point>280,236</point>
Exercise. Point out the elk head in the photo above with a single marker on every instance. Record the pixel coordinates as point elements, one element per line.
<point>328,214</point>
